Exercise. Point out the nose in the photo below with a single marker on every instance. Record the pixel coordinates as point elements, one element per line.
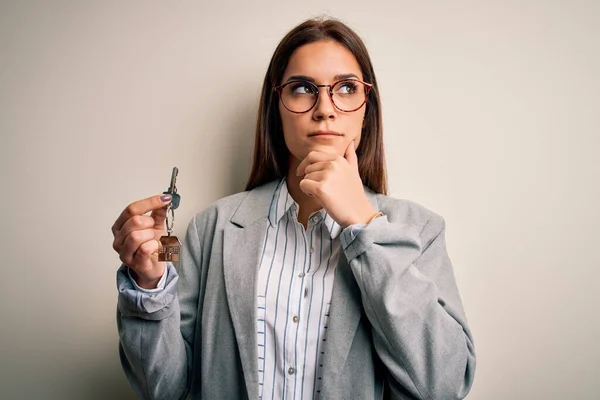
<point>324,109</point>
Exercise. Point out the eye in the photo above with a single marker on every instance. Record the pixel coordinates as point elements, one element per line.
<point>302,88</point>
<point>346,87</point>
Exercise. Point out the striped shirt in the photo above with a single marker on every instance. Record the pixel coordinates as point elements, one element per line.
<point>295,282</point>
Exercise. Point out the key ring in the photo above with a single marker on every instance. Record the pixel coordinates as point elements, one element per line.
<point>170,225</point>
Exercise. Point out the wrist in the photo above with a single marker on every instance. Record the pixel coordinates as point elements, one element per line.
<point>144,282</point>
<point>363,217</point>
<point>375,216</point>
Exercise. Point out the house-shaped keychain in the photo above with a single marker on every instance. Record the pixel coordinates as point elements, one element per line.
<point>169,250</point>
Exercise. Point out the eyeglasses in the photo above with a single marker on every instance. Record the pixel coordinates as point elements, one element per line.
<point>300,96</point>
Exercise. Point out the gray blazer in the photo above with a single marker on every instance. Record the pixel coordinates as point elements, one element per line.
<point>397,328</point>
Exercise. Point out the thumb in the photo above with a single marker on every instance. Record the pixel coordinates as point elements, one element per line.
<point>159,215</point>
<point>350,155</point>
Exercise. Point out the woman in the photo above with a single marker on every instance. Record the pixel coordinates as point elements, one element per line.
<point>312,283</point>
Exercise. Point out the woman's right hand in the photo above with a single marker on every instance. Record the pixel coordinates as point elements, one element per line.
<point>136,238</point>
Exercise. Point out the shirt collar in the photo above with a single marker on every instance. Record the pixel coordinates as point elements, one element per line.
<point>282,203</point>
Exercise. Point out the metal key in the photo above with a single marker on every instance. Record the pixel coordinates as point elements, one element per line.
<point>172,190</point>
<point>170,246</point>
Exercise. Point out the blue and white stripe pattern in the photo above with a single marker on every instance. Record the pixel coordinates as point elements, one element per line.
<point>295,282</point>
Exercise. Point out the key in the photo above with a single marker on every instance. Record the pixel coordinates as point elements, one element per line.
<point>170,246</point>
<point>172,190</point>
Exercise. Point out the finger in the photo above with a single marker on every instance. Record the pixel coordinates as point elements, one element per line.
<point>135,223</point>
<point>159,216</point>
<point>317,176</point>
<point>350,155</point>
<point>145,252</point>
<point>141,207</point>
<point>132,242</point>
<point>319,166</point>
<point>313,157</point>
<point>310,187</point>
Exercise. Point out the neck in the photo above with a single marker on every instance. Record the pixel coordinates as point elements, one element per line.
<point>308,204</point>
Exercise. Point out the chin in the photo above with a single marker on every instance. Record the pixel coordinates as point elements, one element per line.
<point>327,148</point>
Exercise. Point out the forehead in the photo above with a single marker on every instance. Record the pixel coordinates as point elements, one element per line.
<point>322,61</point>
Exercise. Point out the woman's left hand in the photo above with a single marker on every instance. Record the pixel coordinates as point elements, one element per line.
<point>335,182</point>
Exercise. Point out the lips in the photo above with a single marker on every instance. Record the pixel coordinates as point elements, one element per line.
<point>325,133</point>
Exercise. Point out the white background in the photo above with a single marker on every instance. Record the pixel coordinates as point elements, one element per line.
<point>491,120</point>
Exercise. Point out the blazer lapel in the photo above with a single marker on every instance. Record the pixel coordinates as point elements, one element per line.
<point>242,244</point>
<point>344,315</point>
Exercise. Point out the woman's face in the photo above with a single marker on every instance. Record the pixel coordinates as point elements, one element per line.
<point>324,127</point>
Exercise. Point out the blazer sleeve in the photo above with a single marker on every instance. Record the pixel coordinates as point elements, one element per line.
<point>410,296</point>
<point>156,330</point>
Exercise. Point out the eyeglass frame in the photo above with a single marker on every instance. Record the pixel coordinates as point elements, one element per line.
<point>279,89</point>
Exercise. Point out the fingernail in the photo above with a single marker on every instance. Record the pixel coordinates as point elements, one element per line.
<point>165,197</point>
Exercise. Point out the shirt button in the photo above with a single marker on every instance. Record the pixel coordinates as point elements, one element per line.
<point>311,250</point>
<point>295,319</point>
<point>291,370</point>
<point>301,275</point>
<point>316,218</point>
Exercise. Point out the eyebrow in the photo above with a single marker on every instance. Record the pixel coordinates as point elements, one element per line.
<point>310,79</point>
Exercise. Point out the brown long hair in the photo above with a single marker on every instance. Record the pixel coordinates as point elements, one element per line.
<point>271,156</point>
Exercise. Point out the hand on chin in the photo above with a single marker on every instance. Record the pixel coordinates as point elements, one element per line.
<point>335,182</point>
